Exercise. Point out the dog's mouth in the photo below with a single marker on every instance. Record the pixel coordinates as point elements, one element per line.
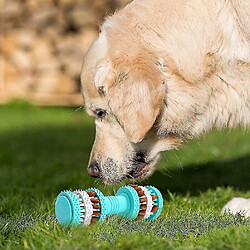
<point>139,166</point>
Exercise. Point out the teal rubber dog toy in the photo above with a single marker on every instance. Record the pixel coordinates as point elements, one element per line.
<point>85,207</point>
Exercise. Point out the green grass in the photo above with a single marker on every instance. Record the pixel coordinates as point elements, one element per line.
<point>46,150</point>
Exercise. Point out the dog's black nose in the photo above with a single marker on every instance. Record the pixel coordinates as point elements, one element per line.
<point>93,170</point>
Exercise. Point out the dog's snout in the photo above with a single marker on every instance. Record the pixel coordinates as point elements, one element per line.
<point>93,170</point>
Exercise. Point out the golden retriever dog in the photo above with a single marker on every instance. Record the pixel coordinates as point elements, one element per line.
<point>160,73</point>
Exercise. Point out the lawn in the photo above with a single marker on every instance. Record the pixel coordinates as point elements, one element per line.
<point>44,150</point>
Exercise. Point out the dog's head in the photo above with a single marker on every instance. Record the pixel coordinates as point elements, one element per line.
<point>127,91</point>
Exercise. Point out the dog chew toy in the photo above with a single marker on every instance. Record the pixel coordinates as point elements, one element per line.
<point>91,206</point>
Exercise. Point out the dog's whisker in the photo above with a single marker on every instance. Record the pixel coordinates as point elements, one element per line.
<point>165,167</point>
<point>123,182</point>
<point>132,177</point>
<point>169,175</point>
<point>96,181</point>
<point>168,171</point>
<point>179,162</point>
<point>164,155</point>
<point>80,108</point>
<point>85,116</point>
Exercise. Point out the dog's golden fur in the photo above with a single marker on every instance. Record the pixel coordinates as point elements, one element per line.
<point>165,71</point>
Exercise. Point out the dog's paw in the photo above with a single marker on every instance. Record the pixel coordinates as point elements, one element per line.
<point>237,205</point>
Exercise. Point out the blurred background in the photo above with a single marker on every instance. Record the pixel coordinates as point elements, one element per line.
<point>42,46</point>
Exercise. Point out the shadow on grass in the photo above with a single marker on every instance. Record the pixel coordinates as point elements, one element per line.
<point>194,179</point>
<point>45,159</point>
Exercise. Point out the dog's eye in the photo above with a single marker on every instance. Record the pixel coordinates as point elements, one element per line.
<point>100,113</point>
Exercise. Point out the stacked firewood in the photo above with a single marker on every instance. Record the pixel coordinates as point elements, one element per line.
<point>42,46</point>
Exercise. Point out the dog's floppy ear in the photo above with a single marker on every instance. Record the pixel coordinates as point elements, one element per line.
<point>136,96</point>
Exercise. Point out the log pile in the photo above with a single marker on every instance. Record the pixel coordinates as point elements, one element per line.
<point>42,46</point>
